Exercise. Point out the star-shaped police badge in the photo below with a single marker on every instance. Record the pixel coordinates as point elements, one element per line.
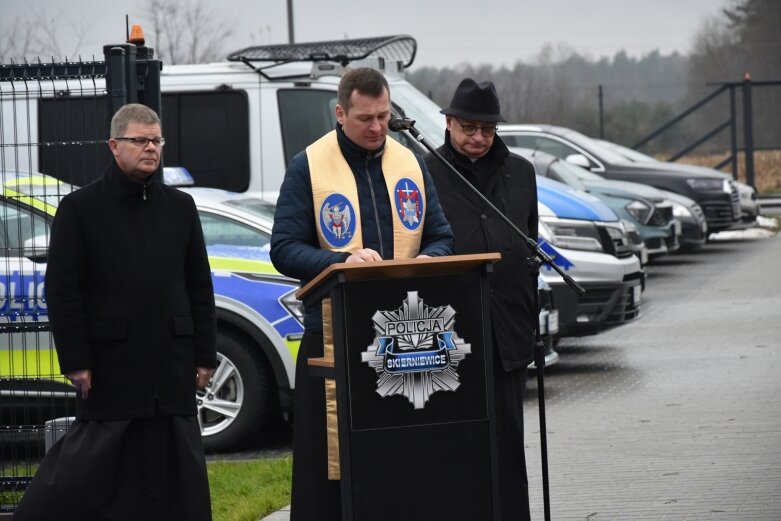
<point>416,351</point>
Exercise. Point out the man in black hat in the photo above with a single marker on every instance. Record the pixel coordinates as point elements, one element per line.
<point>508,181</point>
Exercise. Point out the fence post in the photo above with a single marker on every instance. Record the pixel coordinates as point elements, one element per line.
<point>115,79</point>
<point>120,75</point>
<point>748,130</point>
<point>148,78</point>
<point>601,114</point>
<point>733,133</point>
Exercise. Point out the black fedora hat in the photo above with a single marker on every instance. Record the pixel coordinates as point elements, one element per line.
<point>475,101</point>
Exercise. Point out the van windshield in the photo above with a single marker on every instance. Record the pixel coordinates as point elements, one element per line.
<point>425,112</point>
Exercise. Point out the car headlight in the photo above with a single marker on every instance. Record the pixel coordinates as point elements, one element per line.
<point>680,210</point>
<point>746,192</point>
<point>639,210</point>
<point>619,236</point>
<point>632,232</point>
<point>573,234</point>
<point>294,306</point>
<point>709,185</point>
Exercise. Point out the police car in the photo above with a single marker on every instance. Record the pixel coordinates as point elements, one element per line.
<point>259,319</point>
<point>586,239</point>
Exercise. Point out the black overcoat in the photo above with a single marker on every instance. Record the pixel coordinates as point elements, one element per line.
<point>508,181</point>
<point>129,295</point>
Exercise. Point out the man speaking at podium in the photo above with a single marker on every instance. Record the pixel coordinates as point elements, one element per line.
<point>354,195</point>
<point>508,181</point>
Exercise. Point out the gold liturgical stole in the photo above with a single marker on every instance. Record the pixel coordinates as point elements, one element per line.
<point>337,214</point>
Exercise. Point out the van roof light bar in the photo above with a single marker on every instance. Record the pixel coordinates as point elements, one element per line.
<point>400,48</point>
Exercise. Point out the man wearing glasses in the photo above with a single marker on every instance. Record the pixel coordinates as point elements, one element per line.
<point>508,181</point>
<point>131,307</point>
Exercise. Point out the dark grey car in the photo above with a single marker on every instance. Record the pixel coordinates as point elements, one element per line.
<point>714,191</point>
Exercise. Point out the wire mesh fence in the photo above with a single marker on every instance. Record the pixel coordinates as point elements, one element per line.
<point>53,134</point>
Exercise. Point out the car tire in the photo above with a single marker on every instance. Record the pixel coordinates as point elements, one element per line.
<point>235,404</point>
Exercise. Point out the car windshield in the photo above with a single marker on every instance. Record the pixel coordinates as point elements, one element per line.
<point>568,174</point>
<point>254,206</point>
<point>594,147</point>
<point>425,112</point>
<point>629,153</point>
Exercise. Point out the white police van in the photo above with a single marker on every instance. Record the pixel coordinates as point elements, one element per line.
<point>233,125</point>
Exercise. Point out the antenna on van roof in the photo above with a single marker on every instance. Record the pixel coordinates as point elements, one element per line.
<point>400,48</point>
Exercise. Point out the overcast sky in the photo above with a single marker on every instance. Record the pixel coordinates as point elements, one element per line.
<point>449,32</point>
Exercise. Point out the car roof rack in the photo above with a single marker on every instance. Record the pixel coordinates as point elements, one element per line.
<point>401,48</point>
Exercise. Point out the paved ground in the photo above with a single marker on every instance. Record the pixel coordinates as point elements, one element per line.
<point>677,415</point>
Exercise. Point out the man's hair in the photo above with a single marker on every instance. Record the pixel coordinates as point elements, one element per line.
<point>366,81</point>
<point>133,112</point>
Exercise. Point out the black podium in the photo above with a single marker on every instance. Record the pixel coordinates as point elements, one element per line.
<point>412,365</point>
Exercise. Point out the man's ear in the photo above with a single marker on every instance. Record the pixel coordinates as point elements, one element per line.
<point>112,145</point>
<point>341,114</point>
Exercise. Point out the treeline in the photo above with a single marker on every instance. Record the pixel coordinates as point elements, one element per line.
<point>640,94</point>
<point>637,94</point>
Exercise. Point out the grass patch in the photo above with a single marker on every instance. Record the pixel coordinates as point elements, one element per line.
<point>10,499</point>
<point>240,490</point>
<point>249,490</point>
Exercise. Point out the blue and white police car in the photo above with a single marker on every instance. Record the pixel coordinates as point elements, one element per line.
<point>591,244</point>
<point>259,319</point>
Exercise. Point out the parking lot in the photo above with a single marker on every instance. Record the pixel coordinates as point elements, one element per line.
<point>675,416</point>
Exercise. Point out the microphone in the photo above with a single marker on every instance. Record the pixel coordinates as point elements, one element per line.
<point>399,124</point>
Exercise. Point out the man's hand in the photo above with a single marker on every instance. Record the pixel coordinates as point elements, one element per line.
<point>82,380</point>
<point>202,377</point>
<point>364,255</point>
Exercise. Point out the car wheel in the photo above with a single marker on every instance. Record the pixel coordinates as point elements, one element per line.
<point>237,399</point>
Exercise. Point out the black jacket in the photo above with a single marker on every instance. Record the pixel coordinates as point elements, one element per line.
<point>129,294</point>
<point>295,249</point>
<point>508,181</point>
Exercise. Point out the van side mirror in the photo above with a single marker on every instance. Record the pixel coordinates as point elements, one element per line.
<point>36,248</point>
<point>579,160</point>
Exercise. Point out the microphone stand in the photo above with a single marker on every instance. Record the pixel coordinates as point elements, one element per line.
<point>399,124</point>
<point>406,124</point>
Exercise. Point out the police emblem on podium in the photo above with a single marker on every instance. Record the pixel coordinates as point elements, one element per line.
<point>416,351</point>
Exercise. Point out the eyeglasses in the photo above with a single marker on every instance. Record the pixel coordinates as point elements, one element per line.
<point>159,142</point>
<point>471,130</point>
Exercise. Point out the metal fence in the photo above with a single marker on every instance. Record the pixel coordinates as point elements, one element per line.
<point>54,125</point>
<point>629,113</point>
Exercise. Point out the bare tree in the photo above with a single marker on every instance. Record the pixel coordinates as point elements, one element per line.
<point>36,35</point>
<point>186,31</point>
<point>17,39</point>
